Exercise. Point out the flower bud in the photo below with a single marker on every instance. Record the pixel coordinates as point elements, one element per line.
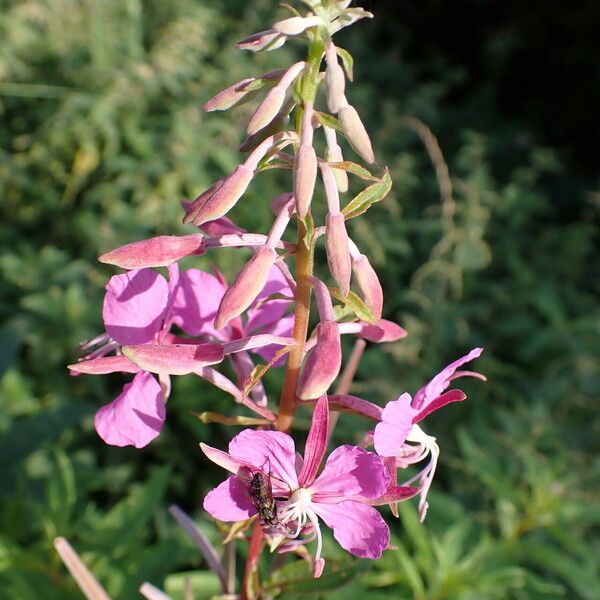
<point>368,284</point>
<point>222,199</point>
<point>296,25</point>
<point>247,285</point>
<point>322,363</point>
<point>335,81</point>
<point>305,176</point>
<point>267,110</point>
<point>338,255</point>
<point>333,154</point>
<point>160,251</point>
<point>230,96</point>
<point>269,40</point>
<point>356,133</point>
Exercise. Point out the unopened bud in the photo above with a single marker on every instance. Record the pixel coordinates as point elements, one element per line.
<point>333,153</point>
<point>322,363</point>
<point>160,251</point>
<point>267,110</point>
<point>247,285</point>
<point>338,255</point>
<point>335,81</point>
<point>296,25</point>
<point>356,133</point>
<point>368,284</point>
<point>269,40</point>
<point>230,96</point>
<point>223,198</point>
<point>305,176</point>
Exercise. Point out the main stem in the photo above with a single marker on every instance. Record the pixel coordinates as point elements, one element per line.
<point>304,258</point>
<point>304,269</point>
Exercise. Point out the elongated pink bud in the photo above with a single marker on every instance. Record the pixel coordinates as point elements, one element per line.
<point>296,25</point>
<point>335,81</point>
<point>268,39</point>
<point>267,110</point>
<point>247,285</point>
<point>305,177</point>
<point>193,208</point>
<point>160,251</point>
<point>333,153</point>
<point>173,359</point>
<point>322,363</point>
<point>370,288</point>
<point>338,255</point>
<point>355,132</point>
<point>223,198</point>
<point>229,97</point>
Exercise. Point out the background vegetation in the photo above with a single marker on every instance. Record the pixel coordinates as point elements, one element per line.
<point>103,133</point>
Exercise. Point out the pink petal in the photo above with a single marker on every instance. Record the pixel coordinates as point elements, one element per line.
<point>159,251</point>
<point>229,501</point>
<point>437,403</point>
<point>105,364</point>
<point>442,380</point>
<point>267,314</point>
<point>316,443</point>
<point>196,302</point>
<point>174,359</point>
<point>358,528</point>
<point>351,471</point>
<point>396,422</point>
<point>135,417</point>
<point>134,306</point>
<point>223,459</point>
<point>270,451</point>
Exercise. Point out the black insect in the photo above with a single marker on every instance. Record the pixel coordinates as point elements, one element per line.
<point>261,494</point>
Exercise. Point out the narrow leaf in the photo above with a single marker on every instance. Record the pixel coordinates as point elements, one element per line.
<point>369,196</point>
<point>358,307</point>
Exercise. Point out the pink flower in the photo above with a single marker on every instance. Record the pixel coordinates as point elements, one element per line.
<point>139,309</point>
<point>399,435</point>
<point>134,310</point>
<point>341,495</point>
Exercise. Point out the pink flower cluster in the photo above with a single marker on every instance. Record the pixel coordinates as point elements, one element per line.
<point>190,321</point>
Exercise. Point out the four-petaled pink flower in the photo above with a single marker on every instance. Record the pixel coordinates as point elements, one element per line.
<point>398,435</point>
<point>140,307</point>
<point>342,495</point>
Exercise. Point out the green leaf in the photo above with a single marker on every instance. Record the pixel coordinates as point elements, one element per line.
<point>347,62</point>
<point>369,196</point>
<point>328,121</point>
<point>355,169</point>
<point>358,307</point>
<point>213,417</point>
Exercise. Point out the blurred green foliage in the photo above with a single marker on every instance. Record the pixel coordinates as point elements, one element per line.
<point>103,133</point>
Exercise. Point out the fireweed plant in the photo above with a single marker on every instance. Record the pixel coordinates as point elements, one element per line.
<point>191,322</point>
